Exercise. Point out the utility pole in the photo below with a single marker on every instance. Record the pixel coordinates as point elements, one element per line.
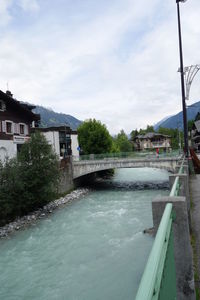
<point>182,82</point>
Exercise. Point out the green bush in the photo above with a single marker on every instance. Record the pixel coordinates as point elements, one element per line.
<point>28,181</point>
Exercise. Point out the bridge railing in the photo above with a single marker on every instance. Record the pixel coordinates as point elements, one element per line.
<point>158,280</point>
<point>176,186</point>
<point>135,155</point>
<point>159,277</point>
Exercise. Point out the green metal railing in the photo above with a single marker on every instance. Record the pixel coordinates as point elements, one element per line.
<point>159,280</point>
<point>159,277</point>
<point>135,154</point>
<point>176,186</point>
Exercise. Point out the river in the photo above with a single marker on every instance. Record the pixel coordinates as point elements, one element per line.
<point>92,249</point>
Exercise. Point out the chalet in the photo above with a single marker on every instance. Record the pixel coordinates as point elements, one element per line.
<point>63,139</point>
<point>152,140</point>
<point>16,120</point>
<point>196,136</point>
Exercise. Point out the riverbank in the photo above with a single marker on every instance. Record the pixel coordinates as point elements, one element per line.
<point>43,212</point>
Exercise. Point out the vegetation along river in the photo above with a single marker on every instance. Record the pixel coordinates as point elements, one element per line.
<point>92,249</point>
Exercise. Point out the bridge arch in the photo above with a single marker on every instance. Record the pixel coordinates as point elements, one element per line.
<point>82,168</point>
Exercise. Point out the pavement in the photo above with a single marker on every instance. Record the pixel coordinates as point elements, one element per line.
<point>195,217</point>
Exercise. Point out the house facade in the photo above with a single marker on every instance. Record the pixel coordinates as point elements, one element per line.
<point>195,136</point>
<point>63,140</point>
<point>152,140</point>
<point>16,120</point>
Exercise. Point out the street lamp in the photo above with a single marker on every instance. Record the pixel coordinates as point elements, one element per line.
<point>182,81</point>
<point>190,72</point>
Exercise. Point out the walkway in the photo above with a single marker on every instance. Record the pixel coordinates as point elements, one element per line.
<point>195,215</point>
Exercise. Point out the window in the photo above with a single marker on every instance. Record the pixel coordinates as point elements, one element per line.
<point>2,105</point>
<point>19,146</point>
<point>21,129</point>
<point>9,127</point>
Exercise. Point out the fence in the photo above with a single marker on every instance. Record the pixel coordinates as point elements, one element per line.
<point>135,154</point>
<point>159,277</point>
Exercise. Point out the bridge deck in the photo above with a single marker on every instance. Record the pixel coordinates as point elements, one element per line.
<point>84,167</point>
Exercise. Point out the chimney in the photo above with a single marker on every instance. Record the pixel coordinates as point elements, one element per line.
<point>8,93</point>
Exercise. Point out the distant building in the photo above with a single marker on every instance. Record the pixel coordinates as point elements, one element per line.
<point>16,120</point>
<point>152,140</point>
<point>63,139</point>
<point>195,136</point>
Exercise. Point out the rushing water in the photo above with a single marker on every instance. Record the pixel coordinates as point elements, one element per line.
<point>92,249</point>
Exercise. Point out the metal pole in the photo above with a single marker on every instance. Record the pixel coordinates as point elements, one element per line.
<point>182,83</point>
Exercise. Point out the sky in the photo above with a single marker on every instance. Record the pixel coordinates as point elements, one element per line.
<point>112,60</point>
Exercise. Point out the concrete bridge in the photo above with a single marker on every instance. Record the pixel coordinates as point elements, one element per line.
<point>85,167</point>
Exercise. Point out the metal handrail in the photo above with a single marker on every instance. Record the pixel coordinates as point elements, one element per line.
<point>150,284</point>
<point>152,277</point>
<point>176,186</point>
<point>134,154</point>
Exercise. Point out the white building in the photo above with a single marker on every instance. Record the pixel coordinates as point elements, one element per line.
<point>16,120</point>
<point>63,139</point>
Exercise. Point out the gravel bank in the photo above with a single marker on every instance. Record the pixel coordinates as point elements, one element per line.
<point>29,219</point>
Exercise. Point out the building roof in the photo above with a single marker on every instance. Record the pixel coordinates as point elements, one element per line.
<point>150,135</point>
<point>66,129</point>
<point>26,108</point>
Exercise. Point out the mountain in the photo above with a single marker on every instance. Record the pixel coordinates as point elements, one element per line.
<point>176,121</point>
<point>157,125</point>
<point>50,118</point>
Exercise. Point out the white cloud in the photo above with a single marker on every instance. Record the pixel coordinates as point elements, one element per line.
<point>119,67</point>
<point>29,5</point>
<point>5,16</point>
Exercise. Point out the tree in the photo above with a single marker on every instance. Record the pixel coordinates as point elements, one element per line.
<point>39,169</point>
<point>150,128</point>
<point>190,124</point>
<point>28,181</point>
<point>134,133</point>
<point>175,135</point>
<point>94,137</point>
<point>122,142</point>
<point>11,189</point>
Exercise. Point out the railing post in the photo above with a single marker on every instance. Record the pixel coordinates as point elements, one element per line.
<point>91,156</point>
<point>182,246</point>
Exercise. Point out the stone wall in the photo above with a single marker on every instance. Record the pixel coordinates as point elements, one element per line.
<point>66,175</point>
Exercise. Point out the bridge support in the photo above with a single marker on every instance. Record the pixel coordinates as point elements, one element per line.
<point>182,247</point>
<point>66,175</point>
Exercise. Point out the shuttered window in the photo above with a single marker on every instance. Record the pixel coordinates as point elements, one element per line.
<point>9,127</point>
<point>21,128</point>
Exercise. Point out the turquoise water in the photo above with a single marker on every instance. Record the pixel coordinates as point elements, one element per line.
<point>92,249</point>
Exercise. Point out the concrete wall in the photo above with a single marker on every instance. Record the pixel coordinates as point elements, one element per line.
<point>66,176</point>
<point>74,138</point>
<point>53,139</point>
<point>182,246</point>
<point>7,148</point>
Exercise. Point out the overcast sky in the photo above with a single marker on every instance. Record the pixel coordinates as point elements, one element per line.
<point>113,60</point>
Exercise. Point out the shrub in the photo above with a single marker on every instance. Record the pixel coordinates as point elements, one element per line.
<point>28,181</point>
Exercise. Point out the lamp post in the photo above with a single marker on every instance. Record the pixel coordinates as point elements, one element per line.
<point>190,72</point>
<point>182,81</point>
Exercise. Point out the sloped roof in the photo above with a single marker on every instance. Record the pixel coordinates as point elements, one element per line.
<point>26,108</point>
<point>150,135</point>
